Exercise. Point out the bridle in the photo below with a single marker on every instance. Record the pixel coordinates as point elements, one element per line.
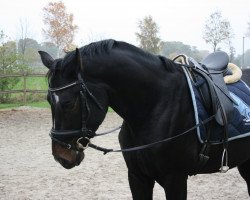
<point>83,134</point>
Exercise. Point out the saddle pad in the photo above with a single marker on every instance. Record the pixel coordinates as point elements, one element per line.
<point>238,126</point>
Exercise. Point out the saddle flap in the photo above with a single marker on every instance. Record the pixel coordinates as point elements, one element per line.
<point>225,105</point>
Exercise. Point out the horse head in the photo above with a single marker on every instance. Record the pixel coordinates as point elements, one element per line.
<point>78,107</point>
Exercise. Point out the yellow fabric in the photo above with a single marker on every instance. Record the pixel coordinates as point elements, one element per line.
<point>236,74</point>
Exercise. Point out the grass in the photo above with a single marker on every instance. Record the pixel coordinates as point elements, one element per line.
<point>33,100</point>
<point>42,104</point>
<point>33,83</point>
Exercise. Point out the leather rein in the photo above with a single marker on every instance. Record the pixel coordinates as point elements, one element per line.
<point>84,134</point>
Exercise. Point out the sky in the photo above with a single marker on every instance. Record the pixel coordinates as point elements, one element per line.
<point>178,20</point>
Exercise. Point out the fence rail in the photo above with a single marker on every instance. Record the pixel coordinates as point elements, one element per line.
<point>25,90</point>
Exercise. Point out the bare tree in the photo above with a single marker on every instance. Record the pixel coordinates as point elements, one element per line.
<point>217,30</point>
<point>148,35</point>
<point>231,51</point>
<point>59,25</point>
<point>23,34</point>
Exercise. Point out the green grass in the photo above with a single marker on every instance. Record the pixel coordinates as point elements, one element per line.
<point>33,99</point>
<point>43,104</point>
<point>33,83</point>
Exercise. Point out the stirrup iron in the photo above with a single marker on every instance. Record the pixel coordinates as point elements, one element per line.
<point>224,161</point>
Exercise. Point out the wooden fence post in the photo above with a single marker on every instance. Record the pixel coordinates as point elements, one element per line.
<point>24,88</point>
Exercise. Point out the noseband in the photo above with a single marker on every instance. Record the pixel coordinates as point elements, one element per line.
<point>84,134</point>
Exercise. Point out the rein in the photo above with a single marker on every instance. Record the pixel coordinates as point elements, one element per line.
<point>105,151</point>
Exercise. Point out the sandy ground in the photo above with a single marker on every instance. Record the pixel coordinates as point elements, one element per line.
<point>28,170</point>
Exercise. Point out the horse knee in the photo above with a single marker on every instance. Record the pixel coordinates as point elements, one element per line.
<point>141,186</point>
<point>175,186</point>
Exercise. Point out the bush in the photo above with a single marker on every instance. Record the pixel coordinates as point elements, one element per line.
<point>9,64</point>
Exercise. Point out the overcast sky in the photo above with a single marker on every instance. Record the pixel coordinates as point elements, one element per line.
<point>178,20</point>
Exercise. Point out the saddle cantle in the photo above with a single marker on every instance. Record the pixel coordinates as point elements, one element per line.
<point>216,62</point>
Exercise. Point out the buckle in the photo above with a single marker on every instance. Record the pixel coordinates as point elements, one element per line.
<point>88,133</point>
<point>82,143</point>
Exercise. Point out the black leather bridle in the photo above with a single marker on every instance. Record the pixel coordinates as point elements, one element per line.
<point>84,134</point>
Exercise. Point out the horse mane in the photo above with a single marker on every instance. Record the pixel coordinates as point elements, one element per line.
<point>91,50</point>
<point>104,47</point>
<point>97,48</point>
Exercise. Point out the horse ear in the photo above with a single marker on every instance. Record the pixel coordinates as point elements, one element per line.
<point>79,60</point>
<point>46,59</point>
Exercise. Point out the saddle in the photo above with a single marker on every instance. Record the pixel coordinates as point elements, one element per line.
<point>208,77</point>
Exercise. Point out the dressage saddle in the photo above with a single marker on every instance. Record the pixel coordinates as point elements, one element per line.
<point>208,76</point>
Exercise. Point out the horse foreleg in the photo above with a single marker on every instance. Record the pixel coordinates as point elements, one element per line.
<point>141,186</point>
<point>244,170</point>
<point>175,186</point>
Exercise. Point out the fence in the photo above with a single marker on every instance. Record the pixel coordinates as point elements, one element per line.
<point>25,90</point>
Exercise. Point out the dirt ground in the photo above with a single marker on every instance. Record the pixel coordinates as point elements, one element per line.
<point>28,170</point>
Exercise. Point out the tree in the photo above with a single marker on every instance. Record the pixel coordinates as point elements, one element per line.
<point>30,55</point>
<point>8,65</point>
<point>60,29</point>
<point>172,49</point>
<point>50,48</point>
<point>23,33</point>
<point>231,51</point>
<point>148,35</point>
<point>238,59</point>
<point>217,30</point>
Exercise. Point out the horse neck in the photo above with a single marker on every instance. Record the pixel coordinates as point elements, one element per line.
<point>143,95</point>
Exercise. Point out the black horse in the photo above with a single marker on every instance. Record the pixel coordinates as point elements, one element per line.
<point>151,94</point>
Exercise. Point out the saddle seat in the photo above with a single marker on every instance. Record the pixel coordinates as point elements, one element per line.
<point>216,62</point>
